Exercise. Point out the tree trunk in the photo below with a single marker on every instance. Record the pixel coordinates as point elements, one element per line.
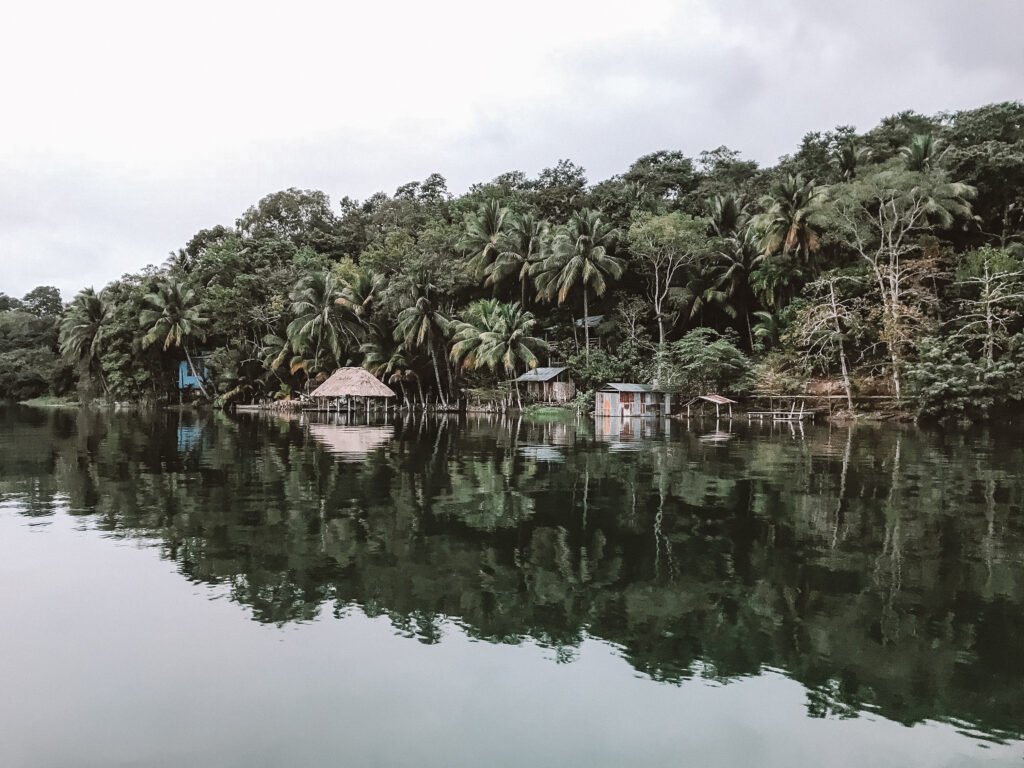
<point>895,357</point>
<point>197,377</point>
<point>101,376</point>
<point>661,349</point>
<point>846,376</point>
<point>437,376</point>
<point>842,349</point>
<point>586,326</point>
<point>990,335</point>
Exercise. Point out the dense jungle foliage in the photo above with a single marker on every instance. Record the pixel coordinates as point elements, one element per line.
<point>888,262</point>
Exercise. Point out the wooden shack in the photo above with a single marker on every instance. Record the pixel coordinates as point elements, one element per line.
<point>547,385</point>
<point>350,388</point>
<point>624,400</point>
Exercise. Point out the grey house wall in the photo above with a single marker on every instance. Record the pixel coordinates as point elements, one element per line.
<point>609,404</point>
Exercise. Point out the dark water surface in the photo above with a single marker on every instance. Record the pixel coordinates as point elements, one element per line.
<point>181,590</point>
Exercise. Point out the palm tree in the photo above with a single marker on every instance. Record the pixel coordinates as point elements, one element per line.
<point>774,281</point>
<point>580,258</point>
<point>848,156</point>
<point>276,350</point>
<point>510,343</point>
<point>497,336</point>
<point>524,248</point>
<point>467,334</point>
<point>171,317</point>
<point>727,215</point>
<point>484,235</point>
<point>768,328</point>
<point>790,224</point>
<point>423,326</point>
<point>317,323</point>
<point>81,332</point>
<point>924,152</point>
<point>385,358</point>
<point>737,257</point>
<point>705,290</point>
<point>359,295</point>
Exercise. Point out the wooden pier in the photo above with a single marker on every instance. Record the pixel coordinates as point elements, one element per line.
<point>793,414</point>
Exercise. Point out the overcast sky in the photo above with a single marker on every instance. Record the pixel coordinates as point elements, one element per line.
<point>129,126</point>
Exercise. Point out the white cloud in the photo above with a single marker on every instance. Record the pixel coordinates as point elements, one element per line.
<point>129,126</point>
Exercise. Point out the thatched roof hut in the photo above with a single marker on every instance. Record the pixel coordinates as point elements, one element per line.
<point>352,382</point>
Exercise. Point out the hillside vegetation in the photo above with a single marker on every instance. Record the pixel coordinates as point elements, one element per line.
<point>890,262</point>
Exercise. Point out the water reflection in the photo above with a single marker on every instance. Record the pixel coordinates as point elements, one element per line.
<point>351,443</point>
<point>880,567</point>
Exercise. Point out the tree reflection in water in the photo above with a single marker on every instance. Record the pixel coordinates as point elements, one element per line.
<point>879,566</point>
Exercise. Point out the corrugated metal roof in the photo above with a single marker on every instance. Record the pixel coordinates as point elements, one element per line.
<point>617,386</point>
<point>592,321</point>
<point>717,399</point>
<point>542,374</point>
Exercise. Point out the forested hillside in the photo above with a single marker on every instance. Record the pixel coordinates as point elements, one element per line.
<point>890,261</point>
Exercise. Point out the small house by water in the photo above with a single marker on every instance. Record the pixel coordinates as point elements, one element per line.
<point>189,379</point>
<point>624,400</point>
<point>547,385</point>
<point>348,388</point>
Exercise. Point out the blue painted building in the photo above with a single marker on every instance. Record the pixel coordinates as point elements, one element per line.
<point>185,378</point>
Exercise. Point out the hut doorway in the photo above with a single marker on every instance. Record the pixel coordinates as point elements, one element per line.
<point>626,400</point>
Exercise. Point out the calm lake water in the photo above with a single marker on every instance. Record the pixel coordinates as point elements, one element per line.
<point>182,590</point>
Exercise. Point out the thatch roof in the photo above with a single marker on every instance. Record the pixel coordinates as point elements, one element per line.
<point>352,382</point>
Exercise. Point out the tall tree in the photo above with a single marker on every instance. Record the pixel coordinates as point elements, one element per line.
<point>791,223</point>
<point>994,283</point>
<point>317,324</point>
<point>523,249</point>
<point>171,318</point>
<point>738,257</point>
<point>823,323</point>
<point>43,301</point>
<point>81,333</point>
<point>385,358</point>
<point>924,153</point>
<point>726,215</point>
<point>498,336</point>
<point>882,217</point>
<point>849,157</point>
<point>467,334</point>
<point>581,258</point>
<point>665,246</point>
<point>484,236</point>
<point>359,295</point>
<point>423,326</point>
